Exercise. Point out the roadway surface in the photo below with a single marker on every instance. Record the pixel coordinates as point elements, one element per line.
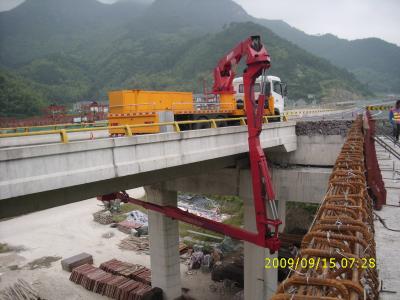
<point>387,231</point>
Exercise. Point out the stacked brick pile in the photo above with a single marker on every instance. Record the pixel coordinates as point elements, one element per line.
<point>114,286</point>
<point>135,272</point>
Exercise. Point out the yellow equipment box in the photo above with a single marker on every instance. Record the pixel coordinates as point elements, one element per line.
<point>135,107</point>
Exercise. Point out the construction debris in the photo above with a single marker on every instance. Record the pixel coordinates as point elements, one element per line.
<point>138,217</point>
<point>332,127</point>
<point>103,217</point>
<point>337,256</point>
<point>201,206</point>
<point>113,286</point>
<point>127,226</point>
<point>135,243</point>
<point>21,290</point>
<point>233,271</point>
<point>70,263</point>
<point>132,271</point>
<point>183,248</point>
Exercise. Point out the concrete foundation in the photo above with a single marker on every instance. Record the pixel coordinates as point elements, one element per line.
<point>164,244</point>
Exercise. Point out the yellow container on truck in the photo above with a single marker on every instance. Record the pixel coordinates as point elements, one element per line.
<point>135,107</point>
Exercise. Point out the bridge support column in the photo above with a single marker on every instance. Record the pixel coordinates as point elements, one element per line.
<point>164,244</point>
<point>259,283</point>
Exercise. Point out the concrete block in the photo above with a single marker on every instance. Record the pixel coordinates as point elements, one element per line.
<point>68,264</point>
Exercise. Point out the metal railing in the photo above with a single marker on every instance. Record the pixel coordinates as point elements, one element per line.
<point>127,129</point>
<point>19,129</point>
<point>54,126</point>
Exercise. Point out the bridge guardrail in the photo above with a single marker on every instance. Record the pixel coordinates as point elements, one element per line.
<point>54,126</point>
<point>306,111</point>
<point>379,107</point>
<point>128,128</point>
<point>105,123</point>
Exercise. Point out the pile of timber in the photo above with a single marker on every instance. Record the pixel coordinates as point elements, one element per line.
<point>183,248</point>
<point>141,244</point>
<point>135,243</point>
<point>132,271</point>
<point>113,286</point>
<point>21,290</point>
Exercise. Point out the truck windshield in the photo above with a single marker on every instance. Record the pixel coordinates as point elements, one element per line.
<point>257,88</point>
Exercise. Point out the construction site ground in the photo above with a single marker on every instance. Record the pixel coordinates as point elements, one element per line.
<point>41,239</point>
<point>387,241</point>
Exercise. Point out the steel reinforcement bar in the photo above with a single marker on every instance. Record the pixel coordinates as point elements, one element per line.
<point>337,256</point>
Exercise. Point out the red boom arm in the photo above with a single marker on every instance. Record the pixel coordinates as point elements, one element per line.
<point>258,61</point>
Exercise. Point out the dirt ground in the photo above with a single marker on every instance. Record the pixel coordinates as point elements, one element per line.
<point>40,240</point>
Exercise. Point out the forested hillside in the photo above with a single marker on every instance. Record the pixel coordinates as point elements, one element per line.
<point>66,51</point>
<point>375,62</point>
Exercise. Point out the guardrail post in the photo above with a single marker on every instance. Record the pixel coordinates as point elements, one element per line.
<point>213,123</point>
<point>177,128</point>
<point>242,121</point>
<point>128,131</point>
<point>64,136</point>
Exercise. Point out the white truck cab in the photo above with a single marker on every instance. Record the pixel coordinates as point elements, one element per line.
<point>278,91</point>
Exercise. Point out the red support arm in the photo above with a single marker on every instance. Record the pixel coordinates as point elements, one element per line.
<point>258,61</point>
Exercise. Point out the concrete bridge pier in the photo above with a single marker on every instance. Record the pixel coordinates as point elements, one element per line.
<point>259,282</point>
<point>164,244</point>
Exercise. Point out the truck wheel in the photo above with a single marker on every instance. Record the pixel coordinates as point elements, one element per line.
<point>221,123</point>
<point>201,125</point>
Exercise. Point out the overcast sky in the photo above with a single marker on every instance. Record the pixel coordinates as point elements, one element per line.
<point>350,19</point>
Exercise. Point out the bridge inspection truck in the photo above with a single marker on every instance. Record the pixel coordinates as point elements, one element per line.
<point>226,100</point>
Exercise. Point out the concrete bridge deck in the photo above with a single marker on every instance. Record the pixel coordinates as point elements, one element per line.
<point>83,169</point>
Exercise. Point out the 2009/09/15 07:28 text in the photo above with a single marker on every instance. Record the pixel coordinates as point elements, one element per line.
<point>315,263</point>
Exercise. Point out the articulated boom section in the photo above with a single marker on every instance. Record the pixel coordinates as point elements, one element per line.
<point>258,61</point>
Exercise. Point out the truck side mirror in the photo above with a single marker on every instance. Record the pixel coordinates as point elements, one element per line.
<point>284,89</point>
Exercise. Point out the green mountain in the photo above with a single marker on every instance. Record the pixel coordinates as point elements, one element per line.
<point>375,62</point>
<point>19,97</point>
<point>73,50</point>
